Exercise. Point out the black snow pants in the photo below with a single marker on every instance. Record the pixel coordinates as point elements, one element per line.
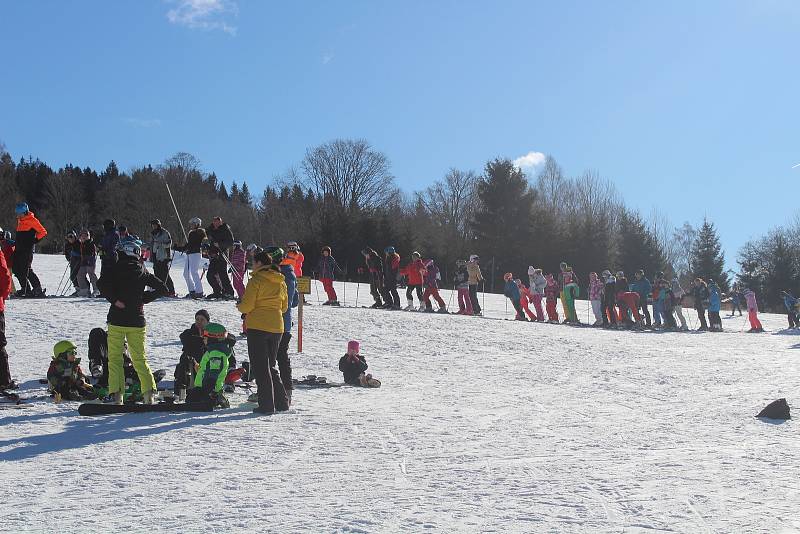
<point>263,350</point>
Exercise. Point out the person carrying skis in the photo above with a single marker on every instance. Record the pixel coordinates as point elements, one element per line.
<point>714,306</point>
<point>551,292</point>
<point>193,348</point>
<point>65,377</point>
<point>475,278</point>
<point>700,294</point>
<point>220,236</point>
<point>538,285</point>
<point>644,288</point>
<point>293,298</point>
<point>193,249</point>
<point>264,303</point>
<point>327,269</point>
<point>88,261</point>
<point>375,268</point>
<point>124,287</point>
<point>461,283</point>
<point>414,273</point>
<point>431,283</point>
<point>790,302</point>
<point>596,287</point>
<point>108,245</point>
<point>29,232</point>
<point>391,268</point>
<point>5,291</point>
<point>525,297</point>
<point>752,311</point>
<point>212,367</point>
<point>161,254</point>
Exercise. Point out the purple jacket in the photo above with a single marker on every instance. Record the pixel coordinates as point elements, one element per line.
<point>596,287</point>
<point>430,279</point>
<point>752,304</point>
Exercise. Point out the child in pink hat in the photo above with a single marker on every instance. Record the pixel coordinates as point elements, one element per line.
<point>352,365</point>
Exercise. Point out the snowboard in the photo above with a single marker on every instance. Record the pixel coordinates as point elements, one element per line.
<point>312,381</point>
<point>90,409</point>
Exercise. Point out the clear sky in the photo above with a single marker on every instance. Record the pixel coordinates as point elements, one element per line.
<point>690,106</point>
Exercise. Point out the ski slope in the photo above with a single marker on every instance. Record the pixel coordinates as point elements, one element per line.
<point>480,426</point>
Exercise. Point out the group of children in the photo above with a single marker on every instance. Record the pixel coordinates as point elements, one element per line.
<point>618,303</point>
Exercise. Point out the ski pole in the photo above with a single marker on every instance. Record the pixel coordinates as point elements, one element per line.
<point>344,298</point>
<point>178,215</point>
<point>483,290</point>
<point>358,288</point>
<point>450,301</point>
<point>59,290</point>
<point>316,288</point>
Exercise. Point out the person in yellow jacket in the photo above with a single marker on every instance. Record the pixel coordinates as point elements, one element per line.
<point>264,302</point>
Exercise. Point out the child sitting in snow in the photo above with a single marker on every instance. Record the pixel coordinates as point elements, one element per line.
<point>65,376</point>
<point>352,365</point>
<point>213,367</point>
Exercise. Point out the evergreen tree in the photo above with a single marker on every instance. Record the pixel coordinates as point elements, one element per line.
<point>782,275</point>
<point>223,192</point>
<point>706,257</point>
<point>244,195</point>
<point>234,192</point>
<point>636,247</point>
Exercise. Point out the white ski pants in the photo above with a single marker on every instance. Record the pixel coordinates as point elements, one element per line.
<point>191,272</point>
<point>597,309</point>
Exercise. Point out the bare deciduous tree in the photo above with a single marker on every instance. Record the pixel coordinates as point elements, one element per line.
<point>349,174</point>
<point>66,207</point>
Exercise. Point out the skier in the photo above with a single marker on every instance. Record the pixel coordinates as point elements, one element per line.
<point>65,377</point>
<point>29,232</point>
<point>353,364</point>
<point>570,291</point>
<point>297,257</point>
<point>431,283</point>
<point>391,268</point>
<point>108,245</point>
<point>736,300</point>
<point>525,297</point>
<point>264,303</point>
<point>714,305</point>
<point>375,268</point>
<point>644,288</point>
<point>124,287</point>
<point>194,258</point>
<point>790,302</point>
<point>551,292</point>
<point>596,287</point>
<point>475,277</point>
<point>414,272</point>
<point>5,290</point>
<point>752,311</point>
<point>193,348</point>
<point>161,254</point>
<point>220,235</point>
<point>700,294</point>
<point>538,285</point>
<point>327,269</point>
<point>88,261</point>
<point>73,255</point>
<point>461,283</point>
<point>212,368</point>
<point>609,299</point>
<point>239,262</point>
<point>677,301</point>
<point>293,298</point>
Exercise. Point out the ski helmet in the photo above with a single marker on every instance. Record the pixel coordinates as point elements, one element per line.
<point>21,208</point>
<point>474,257</point>
<point>292,245</point>
<point>252,247</point>
<point>389,250</point>
<point>130,247</point>
<point>276,254</point>
<point>417,254</point>
<point>71,235</point>
<point>63,346</point>
<point>215,331</point>
<point>196,221</point>
<point>237,243</point>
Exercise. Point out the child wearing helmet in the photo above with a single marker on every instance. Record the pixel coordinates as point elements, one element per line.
<point>212,368</point>
<point>551,292</point>
<point>65,376</point>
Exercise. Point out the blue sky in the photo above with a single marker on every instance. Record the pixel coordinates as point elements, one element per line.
<point>687,106</point>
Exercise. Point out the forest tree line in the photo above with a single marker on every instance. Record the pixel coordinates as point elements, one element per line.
<point>343,194</point>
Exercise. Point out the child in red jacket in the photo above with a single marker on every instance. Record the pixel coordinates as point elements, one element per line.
<point>551,291</point>
<point>414,273</point>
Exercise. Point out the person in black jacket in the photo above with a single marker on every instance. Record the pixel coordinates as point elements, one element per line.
<point>700,294</point>
<point>73,254</point>
<point>609,299</point>
<point>124,287</point>
<point>375,267</point>
<point>352,364</point>
<point>221,236</point>
<point>194,258</point>
<point>108,245</point>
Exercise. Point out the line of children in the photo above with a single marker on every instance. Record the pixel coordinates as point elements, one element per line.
<point>431,283</point>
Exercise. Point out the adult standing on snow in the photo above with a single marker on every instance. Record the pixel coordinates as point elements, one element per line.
<point>194,258</point>
<point>161,253</point>
<point>123,286</point>
<point>29,232</point>
<point>221,235</point>
<point>475,277</point>
<point>88,262</point>
<point>264,303</point>
<point>108,245</point>
<point>5,291</point>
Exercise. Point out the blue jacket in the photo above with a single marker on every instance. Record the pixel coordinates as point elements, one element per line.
<point>714,301</point>
<point>643,287</point>
<point>108,245</point>
<point>291,293</point>
<point>790,302</point>
<point>511,291</point>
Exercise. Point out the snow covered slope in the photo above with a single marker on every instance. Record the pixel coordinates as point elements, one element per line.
<point>481,425</point>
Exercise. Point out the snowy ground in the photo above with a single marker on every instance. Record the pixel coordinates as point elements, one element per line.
<point>481,425</point>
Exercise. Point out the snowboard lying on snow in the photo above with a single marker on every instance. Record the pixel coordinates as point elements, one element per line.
<point>106,409</point>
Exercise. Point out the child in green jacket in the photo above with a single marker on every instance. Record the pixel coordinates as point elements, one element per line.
<point>65,376</point>
<point>213,367</point>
